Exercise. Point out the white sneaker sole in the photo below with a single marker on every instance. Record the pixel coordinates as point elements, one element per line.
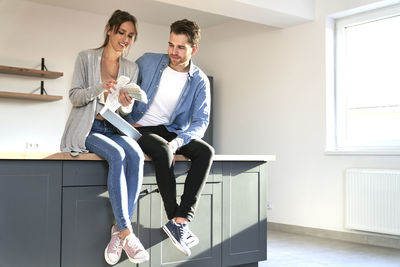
<point>174,241</point>
<point>108,260</point>
<point>193,244</point>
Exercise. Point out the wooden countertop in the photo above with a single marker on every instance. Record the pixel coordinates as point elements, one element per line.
<point>92,156</point>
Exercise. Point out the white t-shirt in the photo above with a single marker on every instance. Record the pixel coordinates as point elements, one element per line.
<point>166,98</point>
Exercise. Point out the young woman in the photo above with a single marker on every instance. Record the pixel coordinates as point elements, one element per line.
<point>94,77</point>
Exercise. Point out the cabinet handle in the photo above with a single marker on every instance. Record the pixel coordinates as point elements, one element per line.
<point>145,192</point>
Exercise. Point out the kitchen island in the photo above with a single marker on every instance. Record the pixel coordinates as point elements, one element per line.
<point>54,211</point>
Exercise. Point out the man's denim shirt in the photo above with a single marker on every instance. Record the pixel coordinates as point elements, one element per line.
<point>192,112</point>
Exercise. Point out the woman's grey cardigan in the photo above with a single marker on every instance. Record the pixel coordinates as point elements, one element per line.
<point>85,89</point>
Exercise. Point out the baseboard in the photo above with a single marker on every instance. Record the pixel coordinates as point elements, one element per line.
<point>382,240</point>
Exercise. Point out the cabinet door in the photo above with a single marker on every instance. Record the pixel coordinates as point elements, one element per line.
<point>86,226</point>
<point>206,225</point>
<point>30,213</point>
<point>85,173</point>
<point>245,221</point>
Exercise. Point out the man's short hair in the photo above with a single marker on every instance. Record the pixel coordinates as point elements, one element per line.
<point>188,28</point>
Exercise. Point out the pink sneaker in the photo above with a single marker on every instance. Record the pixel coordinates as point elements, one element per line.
<point>113,251</point>
<point>134,249</point>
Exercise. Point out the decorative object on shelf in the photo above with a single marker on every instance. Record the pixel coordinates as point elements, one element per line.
<point>43,73</point>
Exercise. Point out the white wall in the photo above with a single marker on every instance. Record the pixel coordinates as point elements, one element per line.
<point>30,31</point>
<point>270,99</point>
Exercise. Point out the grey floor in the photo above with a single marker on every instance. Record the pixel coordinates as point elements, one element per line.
<point>293,250</point>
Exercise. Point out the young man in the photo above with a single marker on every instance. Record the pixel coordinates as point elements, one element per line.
<point>174,121</point>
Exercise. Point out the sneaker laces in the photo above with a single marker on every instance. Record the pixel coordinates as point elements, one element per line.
<point>183,231</point>
<point>117,245</point>
<point>134,245</point>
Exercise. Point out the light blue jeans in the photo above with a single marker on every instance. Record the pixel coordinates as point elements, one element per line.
<point>125,168</point>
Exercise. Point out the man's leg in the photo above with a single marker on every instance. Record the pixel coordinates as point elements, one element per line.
<point>201,154</point>
<point>154,143</point>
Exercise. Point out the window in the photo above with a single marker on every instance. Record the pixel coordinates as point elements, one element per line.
<point>367,82</point>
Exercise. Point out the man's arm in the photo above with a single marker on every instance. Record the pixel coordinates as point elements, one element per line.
<point>199,118</point>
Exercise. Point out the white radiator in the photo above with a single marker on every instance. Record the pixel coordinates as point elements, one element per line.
<point>373,200</point>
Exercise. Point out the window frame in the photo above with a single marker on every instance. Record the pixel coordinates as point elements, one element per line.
<point>335,40</point>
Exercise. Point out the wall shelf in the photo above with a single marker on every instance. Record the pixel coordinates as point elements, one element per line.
<point>43,73</point>
<point>37,97</point>
<point>30,72</point>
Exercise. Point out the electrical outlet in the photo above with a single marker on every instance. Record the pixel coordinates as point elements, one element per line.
<point>269,205</point>
<point>31,146</point>
<point>28,146</point>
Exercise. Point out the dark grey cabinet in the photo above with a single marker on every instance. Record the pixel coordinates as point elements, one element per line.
<point>63,206</point>
<point>87,217</point>
<point>30,214</point>
<point>207,225</point>
<point>245,219</point>
<point>86,220</point>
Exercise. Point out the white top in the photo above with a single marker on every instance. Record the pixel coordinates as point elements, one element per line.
<point>166,98</point>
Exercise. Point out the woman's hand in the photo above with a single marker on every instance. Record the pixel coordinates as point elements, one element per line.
<point>109,85</point>
<point>124,99</point>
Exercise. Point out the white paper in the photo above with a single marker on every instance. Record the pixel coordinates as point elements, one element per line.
<point>112,98</point>
<point>135,92</point>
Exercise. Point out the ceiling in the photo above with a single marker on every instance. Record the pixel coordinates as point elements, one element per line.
<point>207,13</point>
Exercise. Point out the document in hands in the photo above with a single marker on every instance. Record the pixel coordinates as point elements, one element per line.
<point>135,92</point>
<point>112,104</point>
<point>132,89</point>
<point>121,124</point>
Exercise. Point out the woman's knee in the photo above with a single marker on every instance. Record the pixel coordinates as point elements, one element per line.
<point>117,155</point>
<point>134,152</point>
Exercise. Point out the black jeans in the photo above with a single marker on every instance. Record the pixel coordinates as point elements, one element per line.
<point>154,142</point>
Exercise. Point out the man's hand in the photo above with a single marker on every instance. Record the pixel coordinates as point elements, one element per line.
<point>173,146</point>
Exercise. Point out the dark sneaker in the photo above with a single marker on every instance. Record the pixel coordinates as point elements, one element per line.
<point>134,249</point>
<point>113,251</point>
<point>178,233</point>
<point>191,239</point>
